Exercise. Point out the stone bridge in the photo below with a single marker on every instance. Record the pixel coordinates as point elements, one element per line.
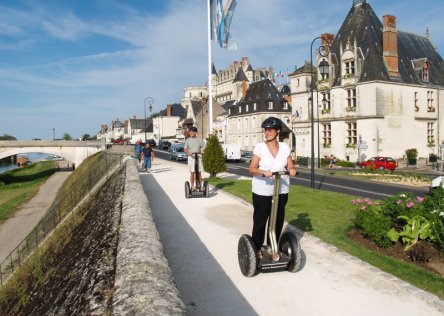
<point>74,151</point>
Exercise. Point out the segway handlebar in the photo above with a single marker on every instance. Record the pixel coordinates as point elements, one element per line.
<point>281,173</point>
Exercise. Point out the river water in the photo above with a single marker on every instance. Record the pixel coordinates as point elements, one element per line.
<point>6,164</point>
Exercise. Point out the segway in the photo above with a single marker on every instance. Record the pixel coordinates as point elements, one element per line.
<point>282,256</point>
<point>196,192</point>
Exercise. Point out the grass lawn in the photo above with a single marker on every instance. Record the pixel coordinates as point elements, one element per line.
<point>20,185</point>
<point>329,215</point>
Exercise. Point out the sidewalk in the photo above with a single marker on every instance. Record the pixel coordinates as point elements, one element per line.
<point>15,229</point>
<point>200,238</point>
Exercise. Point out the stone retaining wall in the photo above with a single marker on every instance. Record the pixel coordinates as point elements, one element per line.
<point>144,284</point>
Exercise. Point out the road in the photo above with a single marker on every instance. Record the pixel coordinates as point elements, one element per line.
<point>200,238</point>
<point>330,182</point>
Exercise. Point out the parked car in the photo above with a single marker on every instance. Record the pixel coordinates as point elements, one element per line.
<point>176,152</point>
<point>246,155</point>
<point>436,182</point>
<point>164,144</point>
<point>152,142</point>
<point>380,163</point>
<point>119,141</point>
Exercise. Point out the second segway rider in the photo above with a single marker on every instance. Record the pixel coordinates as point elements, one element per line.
<point>268,157</point>
<point>194,145</point>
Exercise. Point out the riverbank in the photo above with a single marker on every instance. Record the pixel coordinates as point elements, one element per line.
<point>15,228</point>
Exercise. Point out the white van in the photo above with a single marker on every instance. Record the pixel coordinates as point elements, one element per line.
<point>232,152</point>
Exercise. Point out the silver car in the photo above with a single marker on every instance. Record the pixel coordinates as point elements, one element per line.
<point>176,151</point>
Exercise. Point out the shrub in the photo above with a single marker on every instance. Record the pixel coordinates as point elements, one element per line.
<point>213,159</point>
<point>373,223</point>
<point>344,163</point>
<point>376,226</point>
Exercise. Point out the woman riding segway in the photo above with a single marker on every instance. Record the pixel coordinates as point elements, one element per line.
<point>270,166</point>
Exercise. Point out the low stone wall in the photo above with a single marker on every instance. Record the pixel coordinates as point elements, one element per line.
<point>144,284</point>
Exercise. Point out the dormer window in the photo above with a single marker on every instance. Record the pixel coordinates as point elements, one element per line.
<point>425,71</point>
<point>270,105</point>
<point>240,109</point>
<point>246,107</point>
<point>254,106</point>
<point>350,67</point>
<point>285,106</point>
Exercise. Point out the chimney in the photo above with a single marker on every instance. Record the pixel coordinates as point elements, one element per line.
<point>168,111</point>
<point>390,45</point>
<point>327,38</point>
<point>244,88</point>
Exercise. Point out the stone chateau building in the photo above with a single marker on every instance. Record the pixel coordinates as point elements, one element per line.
<point>383,92</point>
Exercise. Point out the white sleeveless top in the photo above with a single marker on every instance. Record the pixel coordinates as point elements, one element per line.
<point>264,185</point>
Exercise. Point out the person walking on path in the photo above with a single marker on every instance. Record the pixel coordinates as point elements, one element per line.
<point>268,157</point>
<point>147,156</point>
<point>138,150</point>
<point>194,145</point>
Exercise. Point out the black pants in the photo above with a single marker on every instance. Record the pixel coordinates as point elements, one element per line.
<point>262,210</point>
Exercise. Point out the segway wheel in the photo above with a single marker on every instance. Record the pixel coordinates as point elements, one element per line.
<point>247,256</point>
<point>187,190</point>
<point>290,246</point>
<point>206,188</point>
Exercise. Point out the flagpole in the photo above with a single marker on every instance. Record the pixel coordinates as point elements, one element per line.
<point>210,94</point>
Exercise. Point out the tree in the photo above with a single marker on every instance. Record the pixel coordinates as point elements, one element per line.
<point>7,137</point>
<point>213,159</point>
<point>66,136</point>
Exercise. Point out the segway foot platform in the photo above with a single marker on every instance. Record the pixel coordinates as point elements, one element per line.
<point>267,264</point>
<point>198,194</point>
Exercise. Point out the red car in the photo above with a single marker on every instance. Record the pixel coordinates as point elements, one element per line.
<point>380,163</point>
<point>119,141</point>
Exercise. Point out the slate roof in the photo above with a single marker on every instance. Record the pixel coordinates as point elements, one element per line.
<point>363,25</point>
<point>260,92</point>
<point>176,110</point>
<point>137,123</point>
<point>240,76</point>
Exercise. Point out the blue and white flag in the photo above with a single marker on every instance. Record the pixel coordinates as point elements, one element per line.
<point>220,17</point>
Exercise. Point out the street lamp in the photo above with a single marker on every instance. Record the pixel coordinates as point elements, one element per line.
<point>149,101</point>
<point>323,69</point>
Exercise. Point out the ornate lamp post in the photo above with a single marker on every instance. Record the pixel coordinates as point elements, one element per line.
<point>148,101</point>
<point>323,69</point>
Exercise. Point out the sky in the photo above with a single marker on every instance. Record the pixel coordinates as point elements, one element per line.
<point>69,66</point>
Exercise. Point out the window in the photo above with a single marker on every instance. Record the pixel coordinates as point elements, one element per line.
<point>253,123</point>
<point>430,134</point>
<point>416,102</point>
<point>238,123</point>
<point>352,138</point>
<point>349,68</point>
<point>246,107</point>
<point>240,109</point>
<point>254,106</point>
<point>430,101</point>
<point>285,106</point>
<point>425,71</point>
<point>270,105</point>
<point>246,123</point>
<point>326,105</point>
<point>326,135</point>
<point>351,100</point>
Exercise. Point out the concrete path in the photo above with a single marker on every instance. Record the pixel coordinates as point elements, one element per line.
<point>15,229</point>
<point>200,239</point>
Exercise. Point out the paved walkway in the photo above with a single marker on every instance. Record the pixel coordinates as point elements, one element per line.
<point>15,229</point>
<point>200,238</point>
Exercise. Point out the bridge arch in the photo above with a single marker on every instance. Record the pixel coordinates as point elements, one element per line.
<point>74,151</point>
